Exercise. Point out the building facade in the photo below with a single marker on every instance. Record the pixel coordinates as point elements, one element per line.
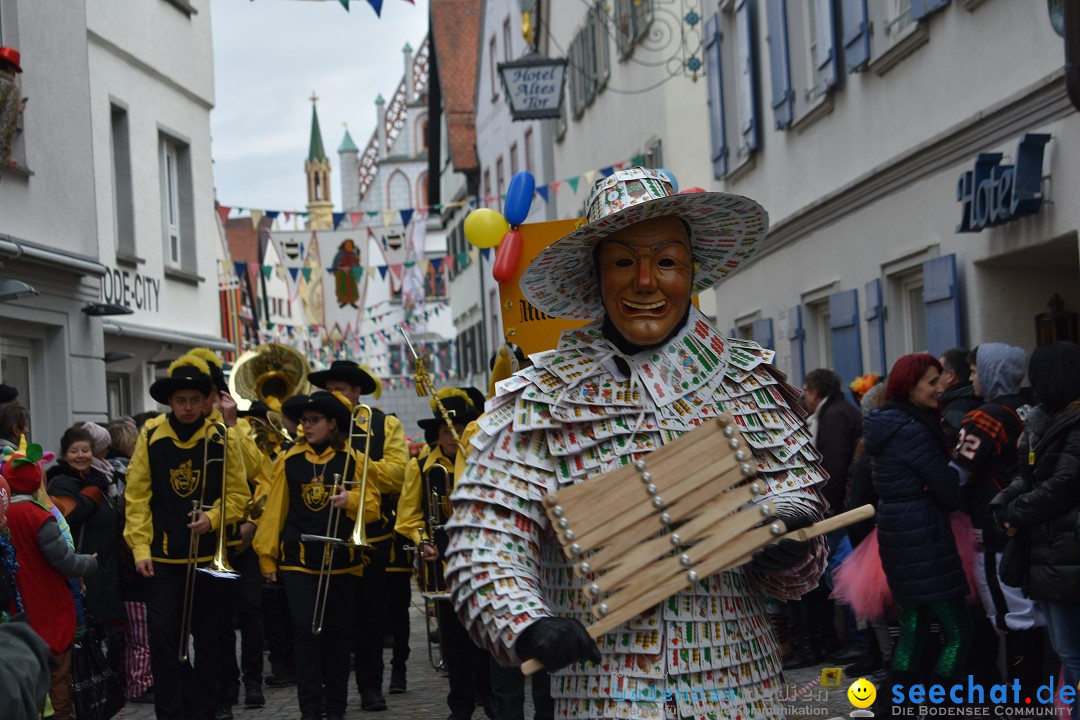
<point>918,179</point>
<point>156,232</point>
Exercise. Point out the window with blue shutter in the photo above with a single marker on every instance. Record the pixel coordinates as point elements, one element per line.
<point>747,77</point>
<point>715,81</point>
<point>941,297</point>
<point>846,342</point>
<point>783,99</point>
<point>763,333</point>
<point>825,57</point>
<point>856,34</point>
<point>796,344</point>
<point>922,8</point>
<point>875,326</point>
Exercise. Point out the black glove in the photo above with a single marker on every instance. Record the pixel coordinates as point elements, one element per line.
<point>999,514</point>
<point>557,642</point>
<point>787,553</point>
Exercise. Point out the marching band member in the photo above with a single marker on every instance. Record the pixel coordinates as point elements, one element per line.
<point>466,664</point>
<point>388,455</point>
<point>164,477</point>
<point>648,369</point>
<point>299,502</point>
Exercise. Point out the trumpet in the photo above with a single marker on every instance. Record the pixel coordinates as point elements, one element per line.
<point>219,563</point>
<point>437,509</point>
<point>357,538</point>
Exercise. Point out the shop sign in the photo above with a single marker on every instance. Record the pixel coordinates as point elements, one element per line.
<point>132,290</point>
<point>994,194</point>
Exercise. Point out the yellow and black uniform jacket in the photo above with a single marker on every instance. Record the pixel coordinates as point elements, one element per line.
<point>165,476</point>
<point>412,508</point>
<point>389,451</point>
<point>298,503</point>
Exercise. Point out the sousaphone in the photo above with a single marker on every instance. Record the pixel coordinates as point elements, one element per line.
<point>271,373</point>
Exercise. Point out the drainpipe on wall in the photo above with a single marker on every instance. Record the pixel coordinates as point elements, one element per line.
<point>1071,16</point>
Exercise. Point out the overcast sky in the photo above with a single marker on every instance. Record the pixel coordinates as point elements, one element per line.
<point>269,55</point>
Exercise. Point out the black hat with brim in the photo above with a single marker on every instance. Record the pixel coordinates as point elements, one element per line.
<point>345,371</point>
<point>459,410</point>
<point>7,394</point>
<point>321,402</point>
<point>184,377</point>
<point>257,409</point>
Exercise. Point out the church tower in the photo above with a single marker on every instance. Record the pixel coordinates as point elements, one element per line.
<point>320,208</point>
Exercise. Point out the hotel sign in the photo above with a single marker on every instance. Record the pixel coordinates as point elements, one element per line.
<point>994,194</point>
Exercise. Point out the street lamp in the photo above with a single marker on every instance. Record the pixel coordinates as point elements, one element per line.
<point>15,290</point>
<point>533,86</point>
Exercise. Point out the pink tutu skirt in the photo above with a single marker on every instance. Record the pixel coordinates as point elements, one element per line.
<point>860,581</point>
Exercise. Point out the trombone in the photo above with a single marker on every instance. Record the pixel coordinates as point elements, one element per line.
<point>429,577</point>
<point>358,537</point>
<point>219,564</point>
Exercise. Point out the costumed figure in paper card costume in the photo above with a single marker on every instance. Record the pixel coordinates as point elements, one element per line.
<point>649,369</point>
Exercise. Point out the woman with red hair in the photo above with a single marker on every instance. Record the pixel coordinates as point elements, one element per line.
<point>917,490</point>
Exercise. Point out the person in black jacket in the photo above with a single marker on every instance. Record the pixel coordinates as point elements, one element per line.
<point>958,396</point>
<point>1043,506</point>
<point>917,489</point>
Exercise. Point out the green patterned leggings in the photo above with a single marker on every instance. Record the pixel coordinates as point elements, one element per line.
<point>915,626</point>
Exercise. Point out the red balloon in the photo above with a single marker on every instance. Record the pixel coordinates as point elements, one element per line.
<point>507,256</point>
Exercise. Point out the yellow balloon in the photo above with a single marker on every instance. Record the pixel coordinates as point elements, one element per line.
<point>485,228</point>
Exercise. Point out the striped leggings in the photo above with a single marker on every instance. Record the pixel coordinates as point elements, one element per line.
<point>136,650</point>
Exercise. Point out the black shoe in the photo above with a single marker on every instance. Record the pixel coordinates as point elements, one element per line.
<point>224,712</point>
<point>803,657</point>
<point>232,695</point>
<point>398,683</point>
<point>864,666</point>
<point>372,699</point>
<point>253,695</point>
<point>847,654</point>
<point>279,677</point>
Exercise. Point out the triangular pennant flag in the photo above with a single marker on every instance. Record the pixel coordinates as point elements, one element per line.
<point>306,272</point>
<point>638,160</point>
<point>376,6</point>
<point>354,218</point>
<point>272,214</point>
<point>256,216</point>
<point>589,176</point>
<point>620,165</point>
<point>406,216</point>
<point>303,213</point>
<point>331,270</point>
<point>410,263</point>
<point>387,217</point>
<point>338,217</point>
<point>573,183</point>
<point>436,263</point>
<point>223,212</point>
<point>357,272</point>
<point>462,260</point>
<point>605,171</point>
<point>371,213</point>
<point>293,272</point>
<point>288,215</point>
<point>266,270</point>
<point>555,186</point>
<point>542,191</point>
<point>344,4</point>
<point>382,271</point>
<point>241,269</point>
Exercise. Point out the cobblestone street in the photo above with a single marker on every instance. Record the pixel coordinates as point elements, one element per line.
<point>426,696</point>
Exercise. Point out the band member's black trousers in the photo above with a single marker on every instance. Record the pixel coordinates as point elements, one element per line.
<point>247,605</point>
<point>322,661</point>
<point>277,628</point>
<point>173,696</point>
<point>466,664</point>
<point>398,596</point>
<point>369,621</point>
<point>508,693</point>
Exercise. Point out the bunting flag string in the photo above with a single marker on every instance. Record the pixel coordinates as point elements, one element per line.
<point>386,218</point>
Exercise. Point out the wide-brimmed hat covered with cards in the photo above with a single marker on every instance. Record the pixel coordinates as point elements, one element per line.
<point>725,230</point>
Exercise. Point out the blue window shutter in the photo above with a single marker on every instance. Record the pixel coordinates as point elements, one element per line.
<point>715,81</point>
<point>796,338</point>
<point>875,326</point>
<point>826,58</point>
<point>846,342</point>
<point>941,296</point>
<point>922,8</point>
<point>747,56</point>
<point>856,34</point>
<point>783,100</point>
<point>763,333</point>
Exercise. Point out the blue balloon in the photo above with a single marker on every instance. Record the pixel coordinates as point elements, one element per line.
<point>519,196</point>
<point>671,178</point>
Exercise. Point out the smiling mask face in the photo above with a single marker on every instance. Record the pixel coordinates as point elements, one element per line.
<point>862,693</point>
<point>646,272</point>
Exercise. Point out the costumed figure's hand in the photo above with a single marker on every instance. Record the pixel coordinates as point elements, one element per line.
<point>787,553</point>
<point>557,642</point>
